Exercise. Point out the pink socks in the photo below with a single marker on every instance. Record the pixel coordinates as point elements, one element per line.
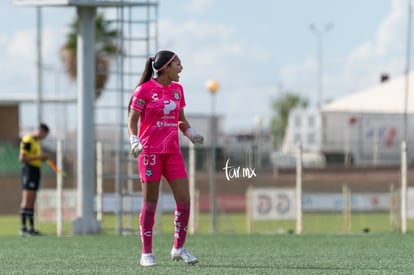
<point>146,223</point>
<point>181,216</point>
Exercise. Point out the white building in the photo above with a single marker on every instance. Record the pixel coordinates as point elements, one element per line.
<point>368,126</point>
<point>249,148</point>
<point>304,126</point>
<point>202,124</point>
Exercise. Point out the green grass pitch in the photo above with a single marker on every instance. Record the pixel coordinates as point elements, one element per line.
<point>315,223</point>
<point>322,249</point>
<point>388,253</point>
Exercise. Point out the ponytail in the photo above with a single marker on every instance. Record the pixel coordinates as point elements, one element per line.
<point>146,75</point>
<point>148,71</point>
<point>153,68</point>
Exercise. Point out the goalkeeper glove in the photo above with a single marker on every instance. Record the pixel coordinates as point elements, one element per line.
<point>195,137</point>
<point>136,146</point>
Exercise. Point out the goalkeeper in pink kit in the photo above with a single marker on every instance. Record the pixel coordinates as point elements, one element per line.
<point>158,105</point>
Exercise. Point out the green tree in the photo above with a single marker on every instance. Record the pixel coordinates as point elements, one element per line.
<point>105,48</point>
<point>281,107</point>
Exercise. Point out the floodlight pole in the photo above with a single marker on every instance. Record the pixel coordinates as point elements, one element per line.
<point>213,87</point>
<point>39,78</point>
<point>319,33</point>
<point>86,222</point>
<point>212,177</point>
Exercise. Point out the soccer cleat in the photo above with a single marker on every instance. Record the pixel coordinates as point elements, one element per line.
<point>29,233</point>
<point>147,260</point>
<point>183,254</point>
<point>34,233</point>
<point>24,233</point>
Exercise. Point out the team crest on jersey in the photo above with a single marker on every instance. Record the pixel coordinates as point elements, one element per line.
<point>176,95</point>
<point>148,172</point>
<point>140,103</point>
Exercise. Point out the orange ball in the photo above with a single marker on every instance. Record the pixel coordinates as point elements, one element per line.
<point>212,86</point>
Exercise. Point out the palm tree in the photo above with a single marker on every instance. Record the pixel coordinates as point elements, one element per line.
<point>105,48</point>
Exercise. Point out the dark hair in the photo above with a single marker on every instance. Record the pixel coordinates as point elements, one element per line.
<point>160,59</point>
<point>44,127</point>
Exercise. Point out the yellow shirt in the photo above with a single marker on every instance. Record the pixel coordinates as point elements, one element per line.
<point>31,148</point>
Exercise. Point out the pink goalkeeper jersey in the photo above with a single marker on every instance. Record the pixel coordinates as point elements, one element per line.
<point>160,108</point>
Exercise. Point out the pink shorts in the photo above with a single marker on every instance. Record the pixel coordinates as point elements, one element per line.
<point>152,166</point>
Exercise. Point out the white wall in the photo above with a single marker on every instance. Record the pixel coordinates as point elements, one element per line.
<point>304,125</point>
<point>372,138</point>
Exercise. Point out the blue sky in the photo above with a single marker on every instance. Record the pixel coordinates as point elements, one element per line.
<point>256,50</point>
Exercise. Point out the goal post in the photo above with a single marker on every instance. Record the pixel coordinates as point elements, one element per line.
<point>299,180</point>
<point>59,190</point>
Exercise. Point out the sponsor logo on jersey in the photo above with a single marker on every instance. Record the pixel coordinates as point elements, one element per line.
<point>169,105</point>
<point>155,97</point>
<point>166,124</point>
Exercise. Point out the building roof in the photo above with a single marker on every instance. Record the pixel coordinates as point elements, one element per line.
<point>387,97</point>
